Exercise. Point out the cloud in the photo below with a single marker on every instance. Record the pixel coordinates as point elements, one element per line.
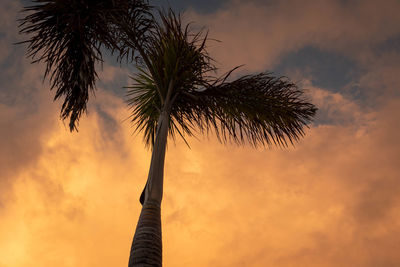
<point>259,33</point>
<point>72,199</point>
<point>335,194</point>
<point>325,202</point>
<point>59,199</point>
<point>24,123</point>
<point>381,82</point>
<point>335,108</point>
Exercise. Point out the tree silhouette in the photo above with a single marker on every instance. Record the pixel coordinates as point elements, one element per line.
<point>175,90</point>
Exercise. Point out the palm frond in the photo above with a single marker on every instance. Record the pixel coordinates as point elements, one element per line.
<point>67,35</point>
<point>145,104</point>
<point>260,109</point>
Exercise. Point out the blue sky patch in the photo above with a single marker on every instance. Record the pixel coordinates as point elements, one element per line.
<point>327,70</point>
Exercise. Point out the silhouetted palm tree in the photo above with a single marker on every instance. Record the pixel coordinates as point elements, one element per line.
<point>174,90</point>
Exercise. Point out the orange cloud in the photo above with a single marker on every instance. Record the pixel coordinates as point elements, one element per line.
<point>333,200</point>
<point>259,33</point>
<point>330,201</point>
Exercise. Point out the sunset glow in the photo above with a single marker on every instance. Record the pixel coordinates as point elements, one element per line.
<point>72,199</point>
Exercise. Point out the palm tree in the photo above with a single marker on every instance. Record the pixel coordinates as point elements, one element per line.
<point>175,90</point>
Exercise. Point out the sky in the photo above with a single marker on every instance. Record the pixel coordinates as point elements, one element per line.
<point>71,199</point>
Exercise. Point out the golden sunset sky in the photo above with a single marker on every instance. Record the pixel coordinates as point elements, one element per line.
<point>71,199</point>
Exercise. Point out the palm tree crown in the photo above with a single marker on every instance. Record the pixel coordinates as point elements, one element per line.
<point>259,109</point>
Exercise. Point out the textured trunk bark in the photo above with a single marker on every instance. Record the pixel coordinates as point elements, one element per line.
<point>146,247</point>
<point>146,250</point>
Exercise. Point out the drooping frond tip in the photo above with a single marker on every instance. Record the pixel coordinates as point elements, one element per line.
<point>259,109</point>
<point>67,35</point>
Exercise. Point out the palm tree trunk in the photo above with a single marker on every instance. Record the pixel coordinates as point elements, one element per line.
<point>146,247</point>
